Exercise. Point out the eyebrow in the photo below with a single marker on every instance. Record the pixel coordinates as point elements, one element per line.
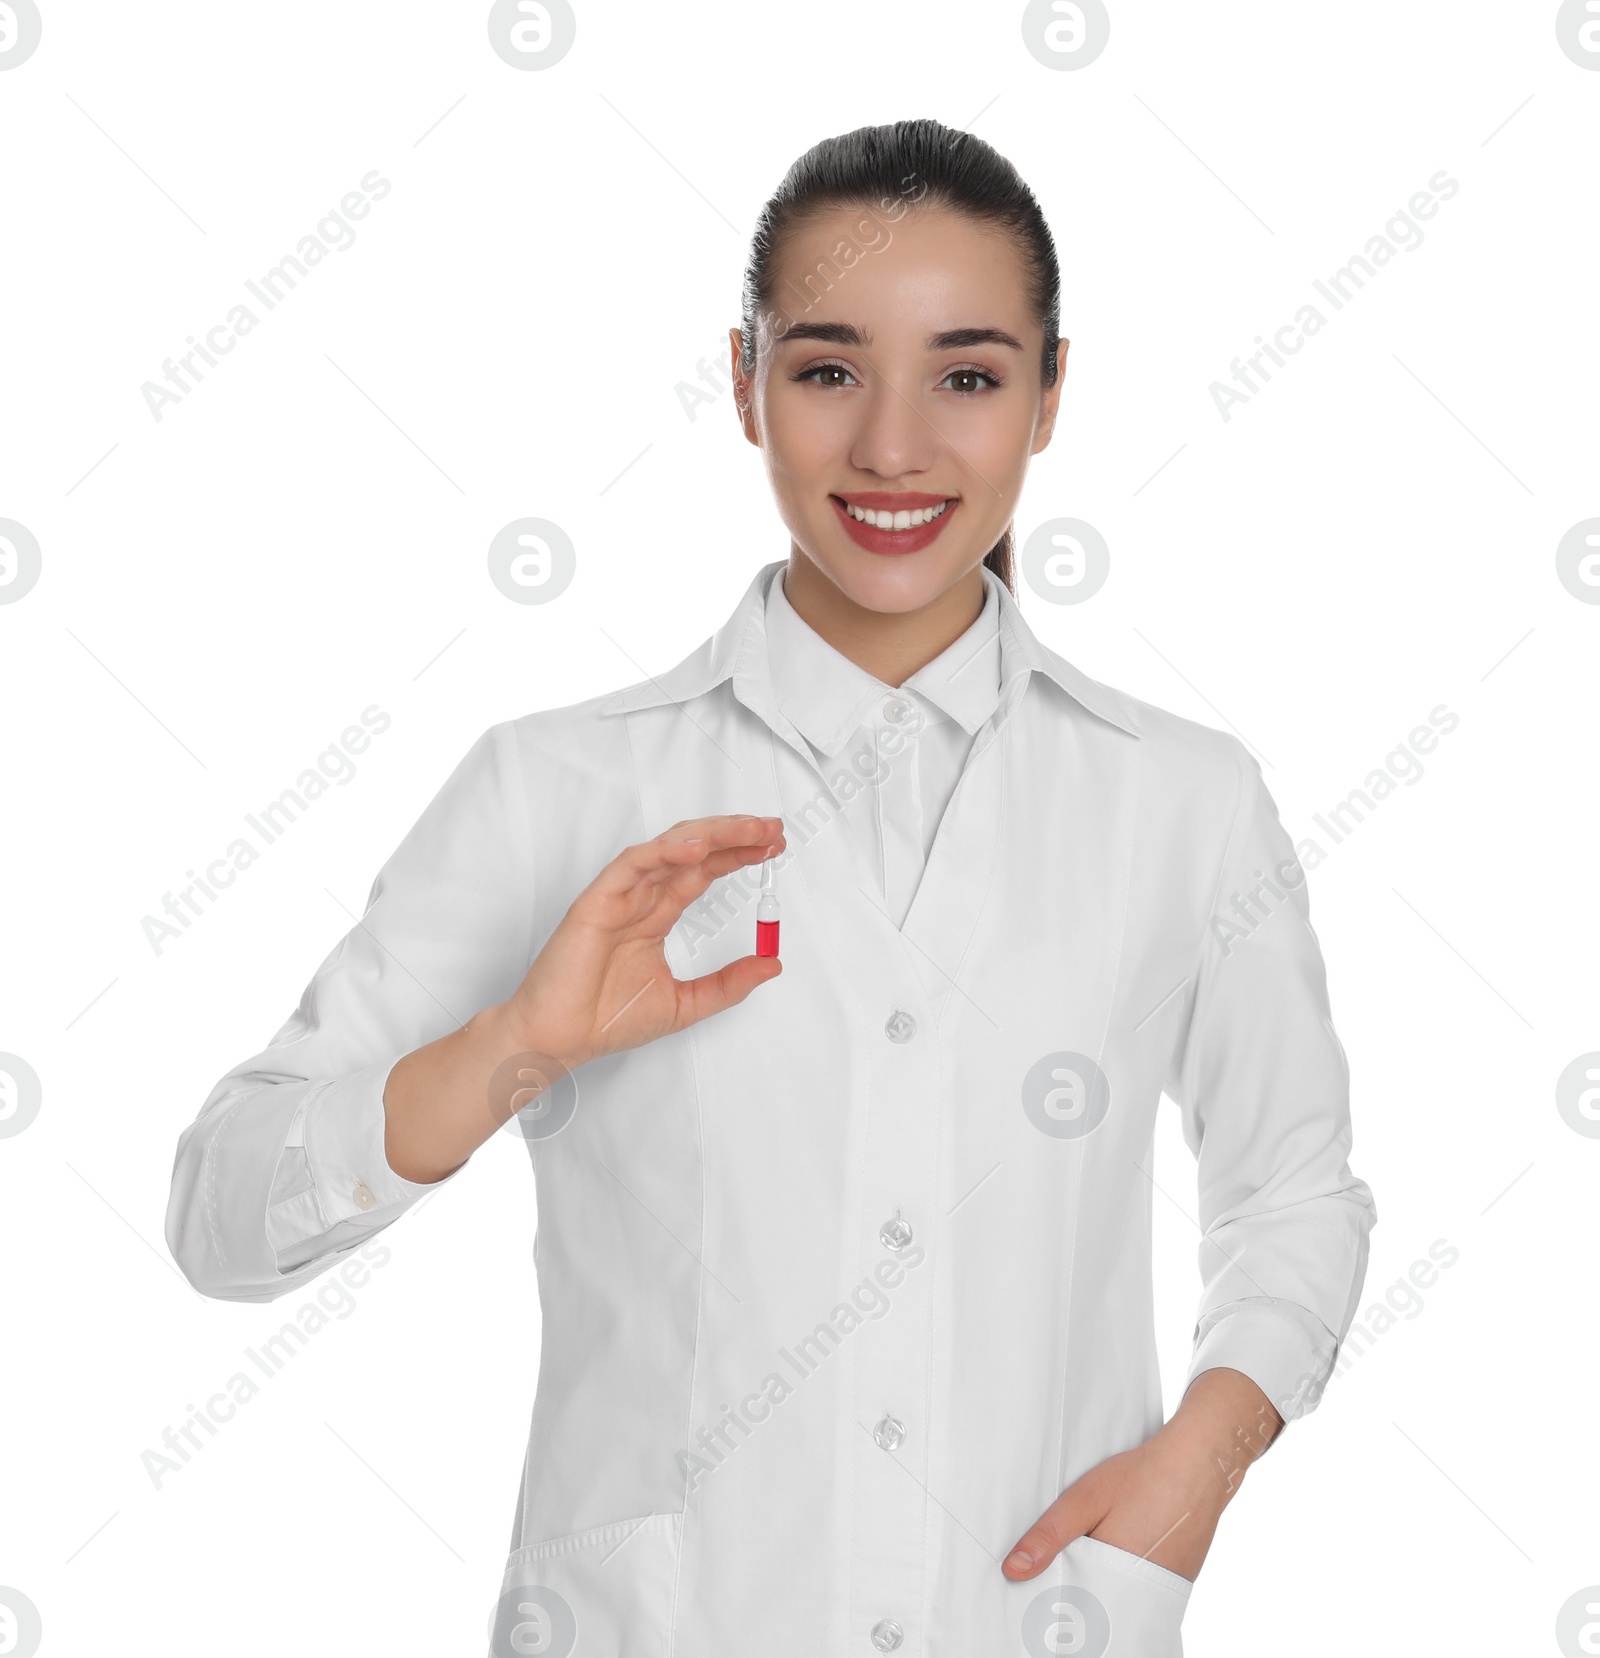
<point>951,339</point>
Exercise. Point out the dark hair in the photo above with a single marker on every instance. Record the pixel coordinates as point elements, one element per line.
<point>919,162</point>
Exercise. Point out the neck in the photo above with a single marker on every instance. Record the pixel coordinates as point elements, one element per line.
<point>889,645</point>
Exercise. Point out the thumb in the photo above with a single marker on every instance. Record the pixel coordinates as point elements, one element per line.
<point>715,992</point>
<point>1079,1509</point>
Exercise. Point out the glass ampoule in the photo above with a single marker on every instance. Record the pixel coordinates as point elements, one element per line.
<point>767,915</point>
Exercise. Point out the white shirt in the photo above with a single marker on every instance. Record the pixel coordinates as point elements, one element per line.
<point>892,761</point>
<point>843,1286</point>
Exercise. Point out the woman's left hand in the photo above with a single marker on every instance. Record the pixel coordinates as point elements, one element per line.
<point>1163,1499</point>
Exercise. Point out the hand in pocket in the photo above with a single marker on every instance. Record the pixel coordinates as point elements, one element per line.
<point>1162,1500</point>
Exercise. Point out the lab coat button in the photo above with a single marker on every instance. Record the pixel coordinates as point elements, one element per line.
<point>890,1433</point>
<point>887,1635</point>
<point>900,1026</point>
<point>363,1196</point>
<point>895,1234</point>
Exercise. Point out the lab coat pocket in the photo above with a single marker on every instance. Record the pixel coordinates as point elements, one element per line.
<point>1141,1604</point>
<point>605,1590</point>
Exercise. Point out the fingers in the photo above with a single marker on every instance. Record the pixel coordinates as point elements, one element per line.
<point>1079,1509</point>
<point>742,834</point>
<point>737,829</point>
<point>700,998</point>
<point>684,866</point>
<point>685,883</point>
<point>651,883</point>
<point>731,841</point>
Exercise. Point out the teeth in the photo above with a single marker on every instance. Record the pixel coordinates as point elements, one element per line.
<point>895,520</point>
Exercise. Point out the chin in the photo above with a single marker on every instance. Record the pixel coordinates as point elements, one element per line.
<point>894,583</point>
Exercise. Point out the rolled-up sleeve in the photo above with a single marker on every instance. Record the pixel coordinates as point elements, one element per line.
<point>284,1170</point>
<point>1261,1078</point>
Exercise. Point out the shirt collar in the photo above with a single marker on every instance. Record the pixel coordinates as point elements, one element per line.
<point>827,696</point>
<point>737,651</point>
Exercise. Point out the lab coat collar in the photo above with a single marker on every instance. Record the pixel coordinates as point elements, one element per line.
<point>828,696</point>
<point>737,652</point>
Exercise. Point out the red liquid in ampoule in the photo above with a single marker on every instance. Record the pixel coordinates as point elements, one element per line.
<point>766,938</point>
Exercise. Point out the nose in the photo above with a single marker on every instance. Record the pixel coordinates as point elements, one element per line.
<point>896,435</point>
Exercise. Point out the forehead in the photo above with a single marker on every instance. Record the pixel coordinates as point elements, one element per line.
<point>930,268</point>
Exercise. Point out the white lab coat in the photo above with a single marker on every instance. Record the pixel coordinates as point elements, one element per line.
<point>841,1287</point>
<point>892,757</point>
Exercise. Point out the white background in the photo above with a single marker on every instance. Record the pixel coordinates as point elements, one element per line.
<point>224,590</point>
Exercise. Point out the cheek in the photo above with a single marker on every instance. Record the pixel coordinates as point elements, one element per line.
<point>803,444</point>
<point>1002,434</point>
<point>990,450</point>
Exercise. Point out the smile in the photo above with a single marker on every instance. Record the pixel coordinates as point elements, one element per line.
<point>877,523</point>
<point>901,520</point>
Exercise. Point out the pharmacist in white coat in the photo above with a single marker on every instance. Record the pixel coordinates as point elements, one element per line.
<point>844,1257</point>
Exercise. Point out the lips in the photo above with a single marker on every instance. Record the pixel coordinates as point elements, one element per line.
<point>922,518</point>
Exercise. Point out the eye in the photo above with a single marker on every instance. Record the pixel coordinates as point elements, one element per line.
<point>818,372</point>
<point>991,382</point>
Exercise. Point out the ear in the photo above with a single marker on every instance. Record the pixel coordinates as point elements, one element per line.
<point>743,389</point>
<point>1050,400</point>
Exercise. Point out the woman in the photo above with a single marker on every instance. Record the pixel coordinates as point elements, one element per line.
<point>844,1255</point>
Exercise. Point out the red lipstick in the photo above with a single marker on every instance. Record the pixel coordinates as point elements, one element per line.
<point>911,540</point>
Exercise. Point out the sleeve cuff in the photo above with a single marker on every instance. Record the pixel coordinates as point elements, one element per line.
<point>334,1184</point>
<point>1285,1350</point>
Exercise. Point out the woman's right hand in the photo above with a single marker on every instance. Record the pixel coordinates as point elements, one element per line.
<point>601,983</point>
